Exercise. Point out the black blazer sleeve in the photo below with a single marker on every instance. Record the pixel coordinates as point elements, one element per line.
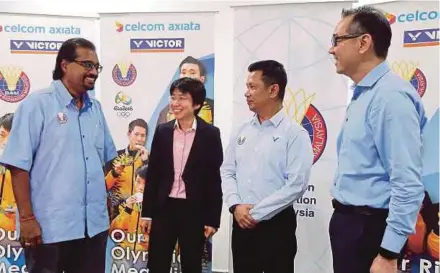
<point>215,195</point>
<point>153,173</point>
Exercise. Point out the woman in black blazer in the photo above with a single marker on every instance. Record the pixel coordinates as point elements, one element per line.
<point>183,196</point>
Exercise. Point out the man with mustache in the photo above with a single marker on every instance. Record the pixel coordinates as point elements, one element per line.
<point>58,145</point>
<point>120,178</point>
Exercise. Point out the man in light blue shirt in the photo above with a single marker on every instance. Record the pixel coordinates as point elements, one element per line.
<point>56,152</point>
<point>378,189</point>
<point>267,168</point>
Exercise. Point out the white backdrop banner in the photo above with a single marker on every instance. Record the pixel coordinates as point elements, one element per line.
<point>299,35</point>
<point>28,48</point>
<point>414,55</point>
<point>142,55</point>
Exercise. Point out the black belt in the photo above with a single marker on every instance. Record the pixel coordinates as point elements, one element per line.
<point>363,210</point>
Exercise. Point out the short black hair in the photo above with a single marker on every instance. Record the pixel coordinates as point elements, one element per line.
<point>6,121</point>
<point>368,19</point>
<point>142,172</point>
<point>68,52</point>
<point>138,122</point>
<point>192,60</point>
<point>273,73</point>
<point>193,87</point>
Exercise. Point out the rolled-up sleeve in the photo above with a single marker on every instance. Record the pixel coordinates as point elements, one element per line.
<point>24,137</point>
<point>395,124</point>
<point>109,146</point>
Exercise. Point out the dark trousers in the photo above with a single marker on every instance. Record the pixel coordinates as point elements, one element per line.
<point>177,221</point>
<point>355,239</point>
<point>270,247</point>
<point>76,256</point>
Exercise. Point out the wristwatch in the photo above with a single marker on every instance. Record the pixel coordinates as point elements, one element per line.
<point>389,255</point>
<point>232,209</point>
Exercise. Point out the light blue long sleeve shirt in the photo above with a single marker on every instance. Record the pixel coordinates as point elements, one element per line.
<point>64,149</point>
<point>380,152</point>
<point>267,165</point>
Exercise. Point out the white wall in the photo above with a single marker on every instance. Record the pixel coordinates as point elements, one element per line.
<point>223,71</point>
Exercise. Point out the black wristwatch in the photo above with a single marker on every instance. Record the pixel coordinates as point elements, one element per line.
<point>389,255</point>
<point>232,209</point>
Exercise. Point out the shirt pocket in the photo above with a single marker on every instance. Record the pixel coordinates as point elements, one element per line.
<point>241,148</point>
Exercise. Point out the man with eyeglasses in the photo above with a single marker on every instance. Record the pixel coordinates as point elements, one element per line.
<point>377,188</point>
<point>56,152</point>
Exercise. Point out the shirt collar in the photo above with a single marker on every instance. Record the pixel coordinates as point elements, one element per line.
<point>370,79</point>
<point>374,75</point>
<point>66,97</point>
<point>193,127</point>
<point>275,120</point>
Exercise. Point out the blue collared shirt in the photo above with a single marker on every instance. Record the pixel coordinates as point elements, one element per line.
<point>267,165</point>
<point>64,149</point>
<point>380,152</point>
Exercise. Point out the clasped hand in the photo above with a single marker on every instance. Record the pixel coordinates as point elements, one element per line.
<point>243,217</point>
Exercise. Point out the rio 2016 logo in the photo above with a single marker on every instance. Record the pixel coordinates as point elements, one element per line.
<point>299,107</point>
<point>123,107</point>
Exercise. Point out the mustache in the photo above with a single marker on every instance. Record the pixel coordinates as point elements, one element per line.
<point>91,76</point>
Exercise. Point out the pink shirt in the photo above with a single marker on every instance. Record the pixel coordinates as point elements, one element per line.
<point>182,143</point>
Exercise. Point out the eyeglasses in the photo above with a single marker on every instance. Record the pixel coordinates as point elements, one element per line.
<point>336,39</point>
<point>89,65</point>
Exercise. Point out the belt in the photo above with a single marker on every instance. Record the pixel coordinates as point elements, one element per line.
<point>362,210</point>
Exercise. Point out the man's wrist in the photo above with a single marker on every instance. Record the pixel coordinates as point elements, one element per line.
<point>26,213</point>
<point>388,255</point>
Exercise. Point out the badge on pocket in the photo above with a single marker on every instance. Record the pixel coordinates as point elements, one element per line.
<point>241,140</point>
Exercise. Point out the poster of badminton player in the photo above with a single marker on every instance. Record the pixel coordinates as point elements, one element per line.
<point>9,244</point>
<point>125,180</point>
<point>421,253</point>
<point>193,68</point>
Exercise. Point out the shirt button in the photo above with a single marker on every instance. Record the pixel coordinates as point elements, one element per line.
<point>88,182</point>
<point>84,136</point>
<point>87,158</point>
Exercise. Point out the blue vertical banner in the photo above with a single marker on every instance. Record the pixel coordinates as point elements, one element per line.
<point>298,36</point>
<point>28,50</point>
<point>153,50</point>
<point>414,55</point>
